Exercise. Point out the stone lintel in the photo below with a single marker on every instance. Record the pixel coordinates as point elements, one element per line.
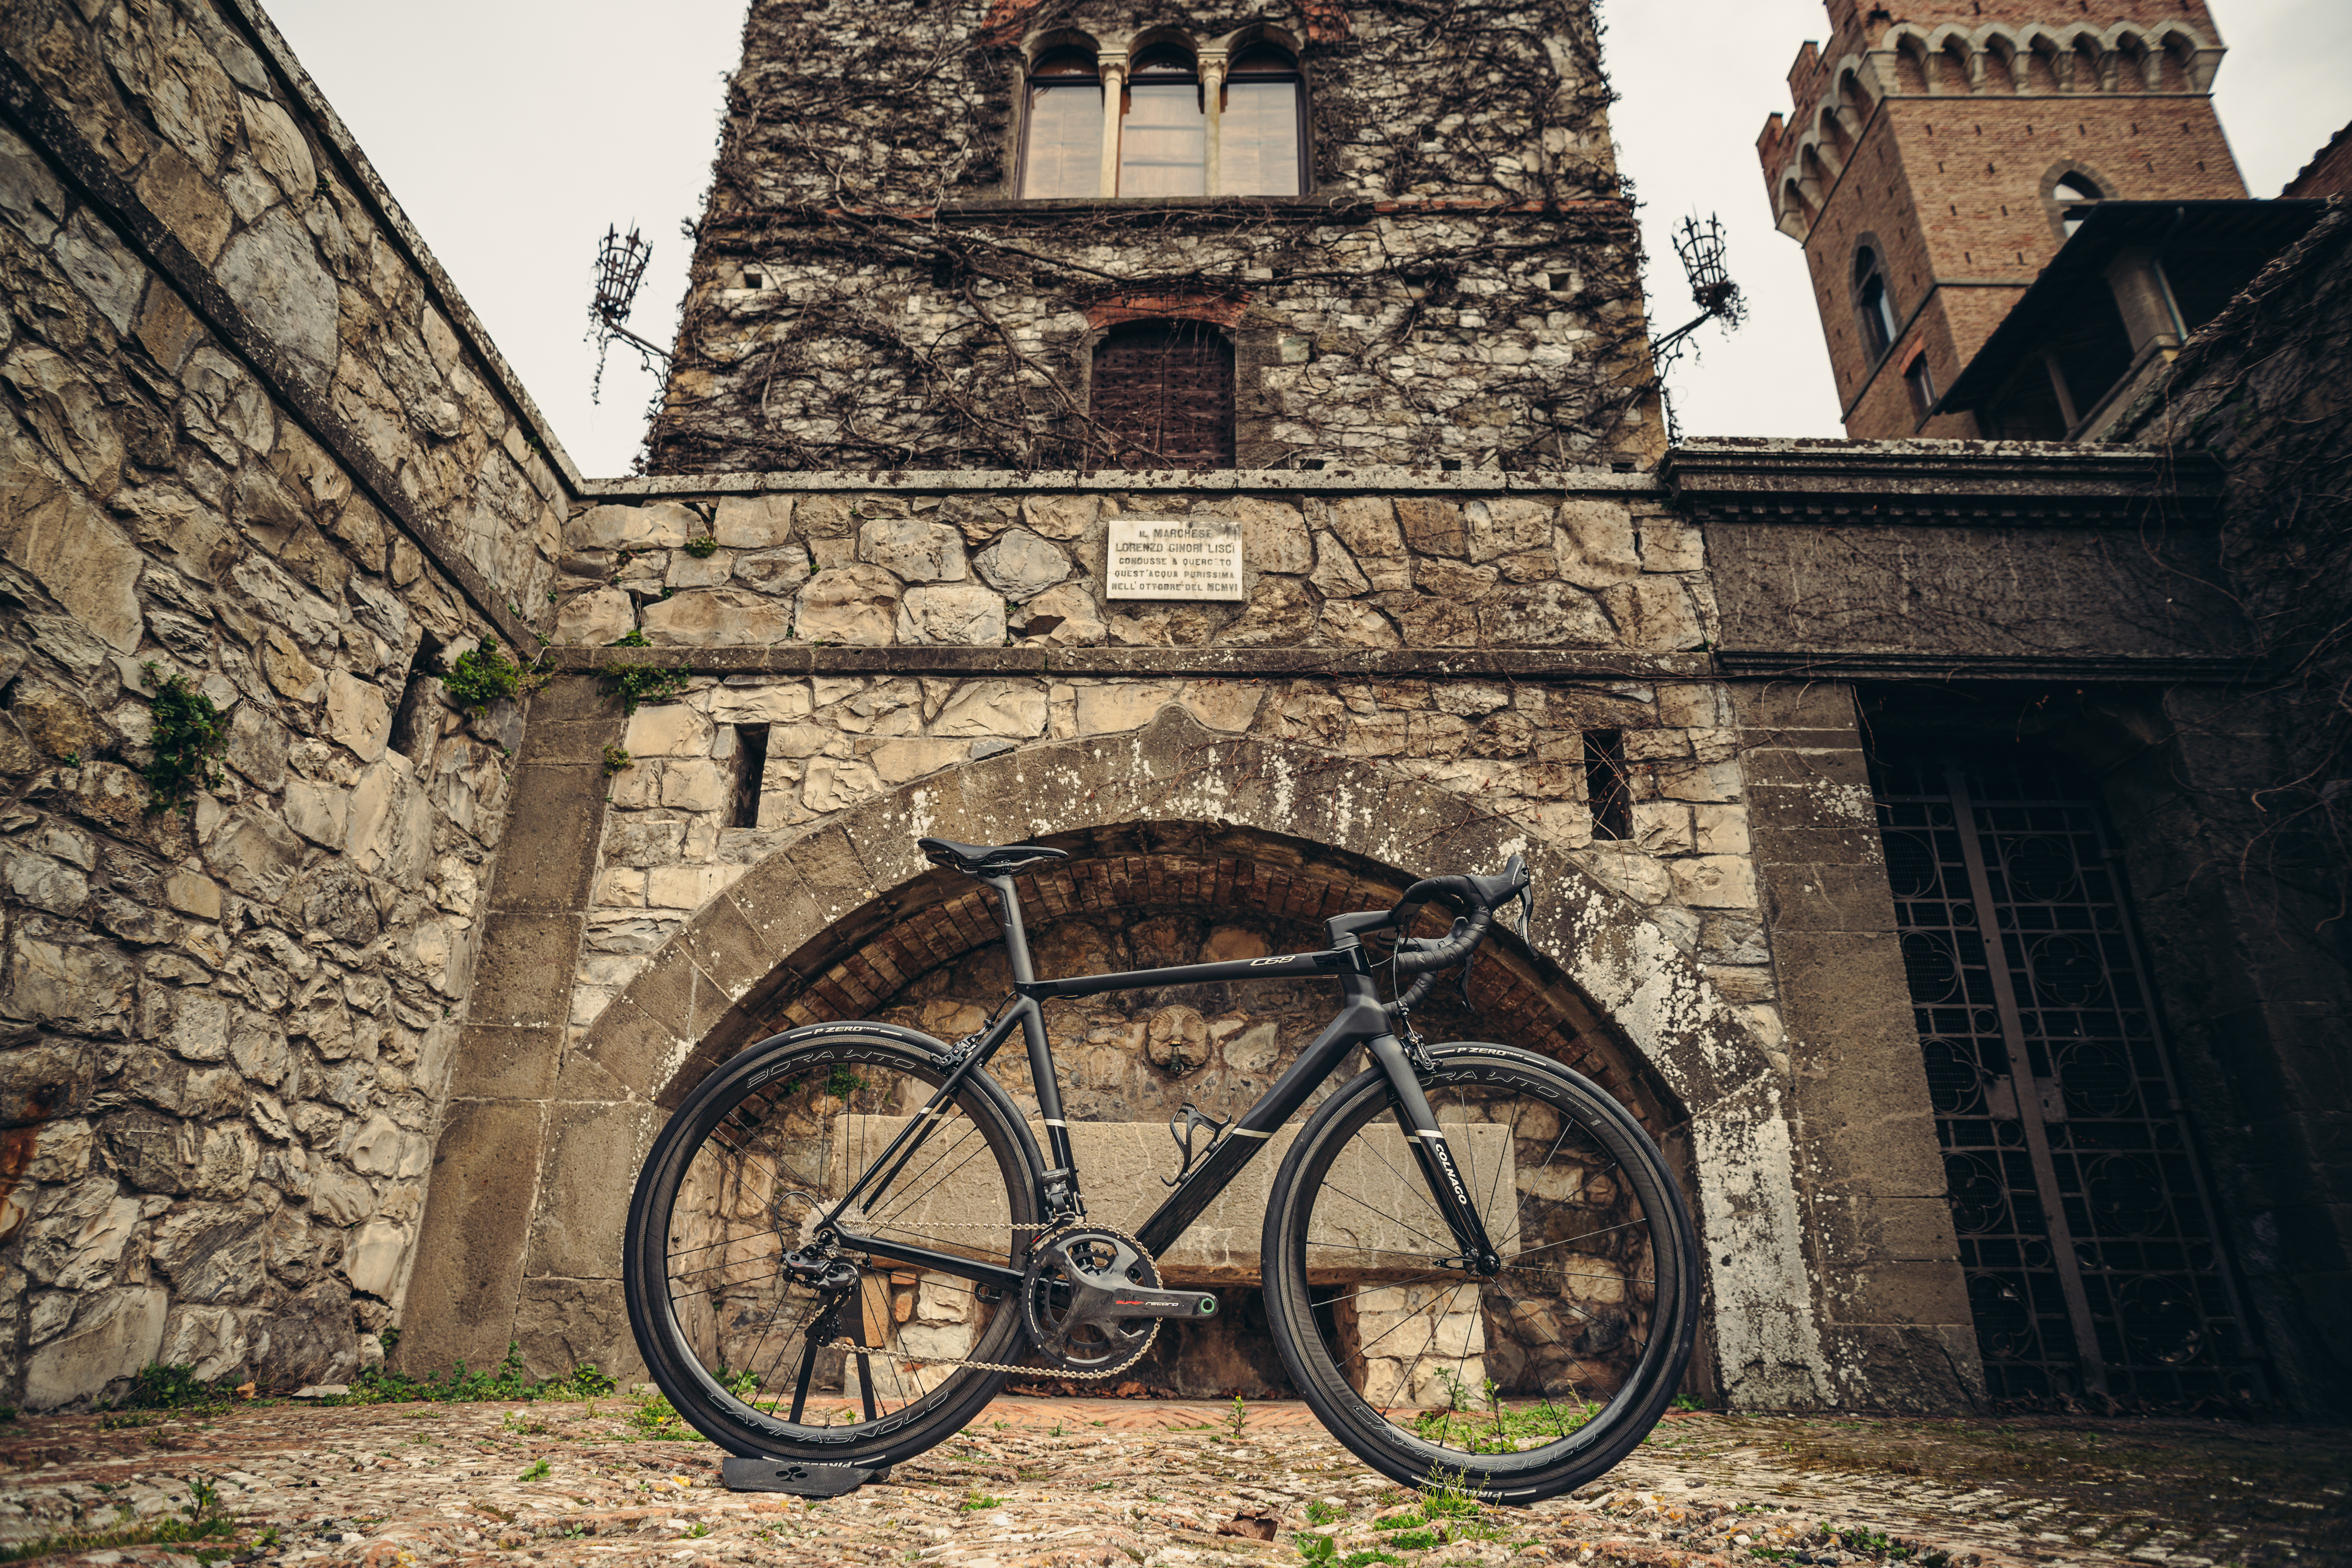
<point>1342,663</point>
<point>1890,665</point>
<point>1805,481</point>
<point>1350,480</point>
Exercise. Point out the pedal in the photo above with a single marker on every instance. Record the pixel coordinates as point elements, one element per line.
<point>796,1478</point>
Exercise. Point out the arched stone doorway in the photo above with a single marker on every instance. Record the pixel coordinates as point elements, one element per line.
<point>847,920</point>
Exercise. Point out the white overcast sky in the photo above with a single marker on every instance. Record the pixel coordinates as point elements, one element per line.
<point>514,132</point>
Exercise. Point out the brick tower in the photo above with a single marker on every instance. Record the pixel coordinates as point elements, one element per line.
<point>1941,151</point>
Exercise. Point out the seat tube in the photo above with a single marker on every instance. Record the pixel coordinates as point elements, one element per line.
<point>1032,1024</point>
<point>1431,1153</point>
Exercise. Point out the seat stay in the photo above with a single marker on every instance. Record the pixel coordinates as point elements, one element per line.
<point>909,1139</point>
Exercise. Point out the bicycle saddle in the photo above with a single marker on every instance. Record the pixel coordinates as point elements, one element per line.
<point>986,860</point>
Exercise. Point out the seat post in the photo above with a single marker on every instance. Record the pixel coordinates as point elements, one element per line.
<point>1016,938</point>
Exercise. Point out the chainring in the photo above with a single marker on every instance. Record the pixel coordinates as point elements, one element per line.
<point>1068,1300</point>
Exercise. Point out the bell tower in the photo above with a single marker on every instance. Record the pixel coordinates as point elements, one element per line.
<point>1941,152</point>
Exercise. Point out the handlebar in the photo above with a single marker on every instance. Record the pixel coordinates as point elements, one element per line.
<point>1482,895</point>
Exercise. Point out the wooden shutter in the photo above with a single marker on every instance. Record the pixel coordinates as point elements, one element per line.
<point>1165,389</point>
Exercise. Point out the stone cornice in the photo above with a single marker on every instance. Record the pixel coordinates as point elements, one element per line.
<point>1937,482</point>
<point>1348,481</point>
<point>1230,663</point>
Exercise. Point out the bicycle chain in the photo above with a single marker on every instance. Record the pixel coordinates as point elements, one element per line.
<point>1048,1226</point>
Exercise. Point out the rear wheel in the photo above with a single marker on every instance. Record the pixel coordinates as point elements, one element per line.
<point>744,1174</point>
<point>1518,1385</point>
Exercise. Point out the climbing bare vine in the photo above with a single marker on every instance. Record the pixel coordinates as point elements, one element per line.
<point>2261,388</point>
<point>1462,292</point>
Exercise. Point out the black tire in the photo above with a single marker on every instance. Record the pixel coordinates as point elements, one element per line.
<point>1552,1381</point>
<point>740,1171</point>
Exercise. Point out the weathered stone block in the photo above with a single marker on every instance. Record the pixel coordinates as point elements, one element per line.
<point>1021,565</point>
<point>858,605</point>
<point>753,522</point>
<point>913,550</point>
<point>594,618</point>
<point>113,1337</point>
<point>1506,526</point>
<point>1594,543</point>
<point>969,617</point>
<point>655,525</point>
<point>717,618</point>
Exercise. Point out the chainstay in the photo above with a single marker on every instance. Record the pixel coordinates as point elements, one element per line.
<point>1050,1224</point>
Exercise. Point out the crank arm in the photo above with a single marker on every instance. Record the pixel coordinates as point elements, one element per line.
<point>1138,1303</point>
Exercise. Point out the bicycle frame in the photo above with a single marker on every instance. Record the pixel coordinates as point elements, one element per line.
<point>1363,1019</point>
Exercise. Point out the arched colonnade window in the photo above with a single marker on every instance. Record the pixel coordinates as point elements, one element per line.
<point>1168,121</point>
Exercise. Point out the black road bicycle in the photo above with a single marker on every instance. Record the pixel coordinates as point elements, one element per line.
<point>1474,1262</point>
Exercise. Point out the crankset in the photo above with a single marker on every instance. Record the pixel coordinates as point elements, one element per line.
<point>1092,1301</point>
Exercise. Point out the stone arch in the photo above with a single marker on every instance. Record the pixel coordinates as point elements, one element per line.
<point>2045,67</point>
<point>704,992</point>
<point>1796,217</point>
<point>1913,73</point>
<point>1831,136</point>
<point>1039,46</point>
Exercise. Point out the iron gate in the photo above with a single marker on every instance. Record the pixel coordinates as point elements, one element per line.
<point>2086,1235</point>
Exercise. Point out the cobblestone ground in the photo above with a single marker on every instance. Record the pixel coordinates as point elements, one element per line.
<point>1060,1483</point>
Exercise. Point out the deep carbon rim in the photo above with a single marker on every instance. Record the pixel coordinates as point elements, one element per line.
<point>1523,1383</point>
<point>737,1180</point>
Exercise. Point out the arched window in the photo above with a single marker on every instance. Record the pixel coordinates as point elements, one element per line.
<point>1064,155</point>
<point>1920,382</point>
<point>1262,127</point>
<point>1165,391</point>
<point>1872,304</point>
<point>2075,195</point>
<point>1164,144</point>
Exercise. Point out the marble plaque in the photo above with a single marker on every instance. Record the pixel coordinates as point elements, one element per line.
<point>1175,558</point>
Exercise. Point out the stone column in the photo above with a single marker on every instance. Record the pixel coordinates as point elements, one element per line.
<point>1213,100</point>
<point>1895,1308</point>
<point>1113,81</point>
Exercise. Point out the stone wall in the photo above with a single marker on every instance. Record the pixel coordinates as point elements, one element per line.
<point>2260,390</point>
<point>1457,285</point>
<point>255,445</point>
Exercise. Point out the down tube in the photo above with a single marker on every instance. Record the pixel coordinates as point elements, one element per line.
<point>1363,1020</point>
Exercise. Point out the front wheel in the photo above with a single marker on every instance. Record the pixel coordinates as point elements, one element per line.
<point>747,1172</point>
<point>1518,1384</point>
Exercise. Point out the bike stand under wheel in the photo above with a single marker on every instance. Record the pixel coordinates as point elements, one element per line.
<point>796,1478</point>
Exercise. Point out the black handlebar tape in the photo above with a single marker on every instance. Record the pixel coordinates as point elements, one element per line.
<point>1450,949</point>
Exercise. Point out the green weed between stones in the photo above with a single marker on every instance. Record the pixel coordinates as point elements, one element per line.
<point>508,1380</point>
<point>636,684</point>
<point>484,674</point>
<point>202,1518</point>
<point>617,760</point>
<point>186,736</point>
<point>702,548</point>
<point>1447,1513</point>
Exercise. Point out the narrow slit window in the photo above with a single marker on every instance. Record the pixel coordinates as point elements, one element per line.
<point>1261,129</point>
<point>1604,784</point>
<point>417,725</point>
<point>1063,155</point>
<point>751,770</point>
